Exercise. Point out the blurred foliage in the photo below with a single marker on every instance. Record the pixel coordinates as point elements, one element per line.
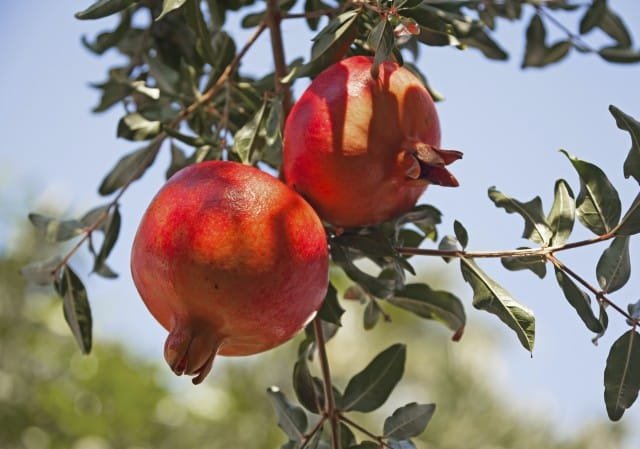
<point>53,397</point>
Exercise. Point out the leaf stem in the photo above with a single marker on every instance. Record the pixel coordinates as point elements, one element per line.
<point>576,39</point>
<point>330,403</point>
<point>273,19</point>
<point>363,430</point>
<point>307,437</point>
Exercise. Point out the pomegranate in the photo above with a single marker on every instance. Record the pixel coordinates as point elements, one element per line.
<point>230,261</point>
<point>362,150</point>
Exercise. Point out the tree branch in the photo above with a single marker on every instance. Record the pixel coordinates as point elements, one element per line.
<point>364,431</point>
<point>273,19</point>
<point>329,401</point>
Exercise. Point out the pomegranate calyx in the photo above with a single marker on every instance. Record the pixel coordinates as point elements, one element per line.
<point>431,164</point>
<point>190,352</point>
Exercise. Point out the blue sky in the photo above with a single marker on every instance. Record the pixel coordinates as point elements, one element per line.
<point>509,123</point>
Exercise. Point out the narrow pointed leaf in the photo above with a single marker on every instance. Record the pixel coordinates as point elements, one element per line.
<point>111,233</point>
<point>603,318</point>
<point>488,295</point>
<point>381,40</point>
<point>563,213</point>
<point>408,421</point>
<point>424,217</point>
<point>615,27</point>
<point>308,389</point>
<point>170,5</point>
<point>622,374</point>
<point>536,227</point>
<point>461,234</point>
<point>614,267</point>
<point>135,127</point>
<point>594,15</point>
<point>535,49</point>
<point>128,169</point>
<point>579,300</point>
<point>247,141</point>
<point>75,305</point>
<point>431,304</point>
<point>291,419</point>
<point>331,310</point>
<point>370,388</point>
<point>371,315</point>
<point>627,123</point>
<point>620,55</point>
<point>598,203</point>
<point>104,8</point>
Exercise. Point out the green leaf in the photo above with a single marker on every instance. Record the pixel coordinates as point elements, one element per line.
<point>247,140</point>
<point>614,267</point>
<point>330,310</point>
<point>603,318</point>
<point>535,51</point>
<point>291,419</point>
<point>54,230</point>
<point>619,55</point>
<point>537,264</point>
<point>614,26</point>
<point>366,445</point>
<point>436,305</point>
<point>448,243</point>
<point>483,42</point>
<point>536,227</point>
<point>347,438</point>
<point>557,52</point>
<point>171,5</point>
<point>630,223</point>
<point>371,315</point>
<point>195,19</point>
<point>106,40</point>
<point>488,295</point>
<point>75,305</point>
<point>634,310</point>
<point>563,213</point>
<point>272,153</point>
<point>370,388</point>
<point>329,45</point>
<point>381,40</point>
<point>632,126</point>
<point>401,444</point>
<point>408,421</point>
<point>461,234</point>
<point>41,272</point>
<point>380,288</point>
<point>579,300</point>
<point>598,203</point>
<point>179,160</point>
<point>111,232</point>
<point>308,389</point>
<point>594,16</point>
<point>135,127</point>
<point>622,374</point>
<point>104,8</point>
<point>129,168</point>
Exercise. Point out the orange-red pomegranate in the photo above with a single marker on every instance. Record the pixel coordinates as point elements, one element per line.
<point>362,150</point>
<point>230,261</point>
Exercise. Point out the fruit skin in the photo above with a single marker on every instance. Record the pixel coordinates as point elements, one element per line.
<point>230,261</point>
<point>363,150</point>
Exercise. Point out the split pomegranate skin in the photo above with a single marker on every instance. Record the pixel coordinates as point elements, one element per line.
<point>362,150</point>
<point>230,261</point>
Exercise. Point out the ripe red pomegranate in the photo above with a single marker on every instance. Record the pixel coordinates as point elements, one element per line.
<point>362,150</point>
<point>230,261</point>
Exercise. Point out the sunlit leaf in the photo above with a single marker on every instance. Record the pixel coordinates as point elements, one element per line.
<point>135,127</point>
<point>408,421</point>
<point>598,203</point>
<point>536,227</point>
<point>425,217</point>
<point>622,374</point>
<point>449,243</point>
<point>104,8</point>
<point>75,305</point>
<point>563,212</point>
<point>431,304</point>
<point>614,266</point>
<point>627,123</point>
<point>370,388</point>
<point>170,5</point>
<point>291,419</point>
<point>41,272</point>
<point>488,295</point>
<point>247,141</point>
<point>381,40</point>
<point>579,300</point>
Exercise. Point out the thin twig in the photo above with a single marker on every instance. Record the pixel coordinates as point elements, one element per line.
<point>273,19</point>
<point>329,401</point>
<point>310,14</point>
<point>576,39</point>
<point>599,294</point>
<point>503,253</point>
<point>307,437</point>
